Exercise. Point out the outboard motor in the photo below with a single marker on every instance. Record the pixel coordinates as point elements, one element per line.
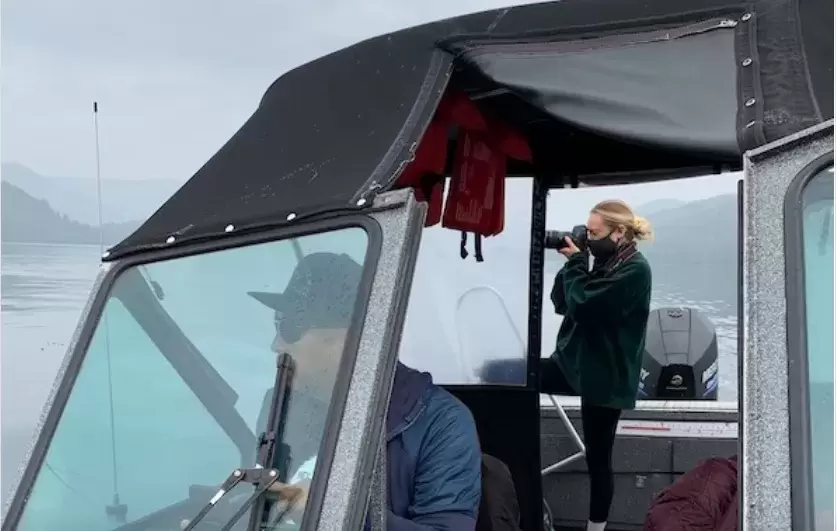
<point>681,357</point>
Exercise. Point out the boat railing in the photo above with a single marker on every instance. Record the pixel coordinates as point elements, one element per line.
<point>555,402</point>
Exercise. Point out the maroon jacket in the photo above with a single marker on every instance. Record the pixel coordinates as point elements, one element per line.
<point>705,498</point>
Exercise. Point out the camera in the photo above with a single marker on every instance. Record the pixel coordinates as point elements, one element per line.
<point>555,238</point>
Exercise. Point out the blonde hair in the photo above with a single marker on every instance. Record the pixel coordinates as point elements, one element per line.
<point>616,212</point>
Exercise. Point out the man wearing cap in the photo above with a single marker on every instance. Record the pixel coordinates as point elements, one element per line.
<point>433,454</point>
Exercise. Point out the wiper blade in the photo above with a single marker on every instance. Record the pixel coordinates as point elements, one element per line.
<point>262,475</point>
<point>257,515</point>
<point>277,411</point>
<point>270,439</point>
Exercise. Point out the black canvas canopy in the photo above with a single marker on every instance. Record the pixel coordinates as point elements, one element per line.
<point>611,90</point>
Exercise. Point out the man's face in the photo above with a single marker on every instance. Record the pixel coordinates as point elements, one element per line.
<point>316,353</point>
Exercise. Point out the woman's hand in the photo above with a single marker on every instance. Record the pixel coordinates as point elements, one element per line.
<point>570,249</point>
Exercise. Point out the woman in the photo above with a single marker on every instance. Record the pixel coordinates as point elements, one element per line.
<point>602,338</point>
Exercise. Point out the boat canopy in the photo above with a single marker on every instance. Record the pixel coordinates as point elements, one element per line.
<point>600,91</point>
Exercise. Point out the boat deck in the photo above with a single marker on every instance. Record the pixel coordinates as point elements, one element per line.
<point>655,444</point>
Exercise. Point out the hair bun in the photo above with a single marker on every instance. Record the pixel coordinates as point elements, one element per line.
<point>641,228</point>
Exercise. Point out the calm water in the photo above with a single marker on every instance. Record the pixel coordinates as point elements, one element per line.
<point>44,288</point>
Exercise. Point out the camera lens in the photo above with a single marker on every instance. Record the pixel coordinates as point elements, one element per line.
<point>555,239</point>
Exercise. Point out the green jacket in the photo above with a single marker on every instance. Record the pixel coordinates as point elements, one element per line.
<point>602,338</point>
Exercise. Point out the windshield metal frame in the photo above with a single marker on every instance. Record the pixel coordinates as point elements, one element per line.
<point>801,464</point>
<point>90,317</point>
<point>764,474</point>
<point>351,488</point>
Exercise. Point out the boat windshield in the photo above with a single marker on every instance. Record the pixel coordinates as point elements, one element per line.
<point>174,385</point>
<point>818,249</point>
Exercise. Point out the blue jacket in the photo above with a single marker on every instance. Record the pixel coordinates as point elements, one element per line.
<point>433,453</point>
<point>433,457</point>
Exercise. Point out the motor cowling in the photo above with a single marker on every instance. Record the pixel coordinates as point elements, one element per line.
<point>680,361</point>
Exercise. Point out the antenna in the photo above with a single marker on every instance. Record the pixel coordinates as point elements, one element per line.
<point>117,510</point>
<point>98,177</point>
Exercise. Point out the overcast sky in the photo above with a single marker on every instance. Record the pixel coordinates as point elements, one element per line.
<point>175,79</point>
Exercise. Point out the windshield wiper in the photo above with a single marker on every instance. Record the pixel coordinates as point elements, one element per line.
<point>261,476</point>
<point>271,440</point>
<point>276,413</point>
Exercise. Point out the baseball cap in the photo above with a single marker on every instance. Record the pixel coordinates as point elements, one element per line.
<point>320,294</point>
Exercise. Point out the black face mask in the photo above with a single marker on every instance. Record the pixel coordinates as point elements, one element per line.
<point>603,248</point>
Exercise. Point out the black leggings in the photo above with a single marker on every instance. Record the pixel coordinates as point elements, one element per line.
<point>599,426</point>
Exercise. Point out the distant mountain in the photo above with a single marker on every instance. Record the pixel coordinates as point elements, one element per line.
<point>704,223</point>
<point>122,201</point>
<point>704,226</point>
<point>694,252</point>
<point>694,248</point>
<point>658,205</point>
<point>31,220</point>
